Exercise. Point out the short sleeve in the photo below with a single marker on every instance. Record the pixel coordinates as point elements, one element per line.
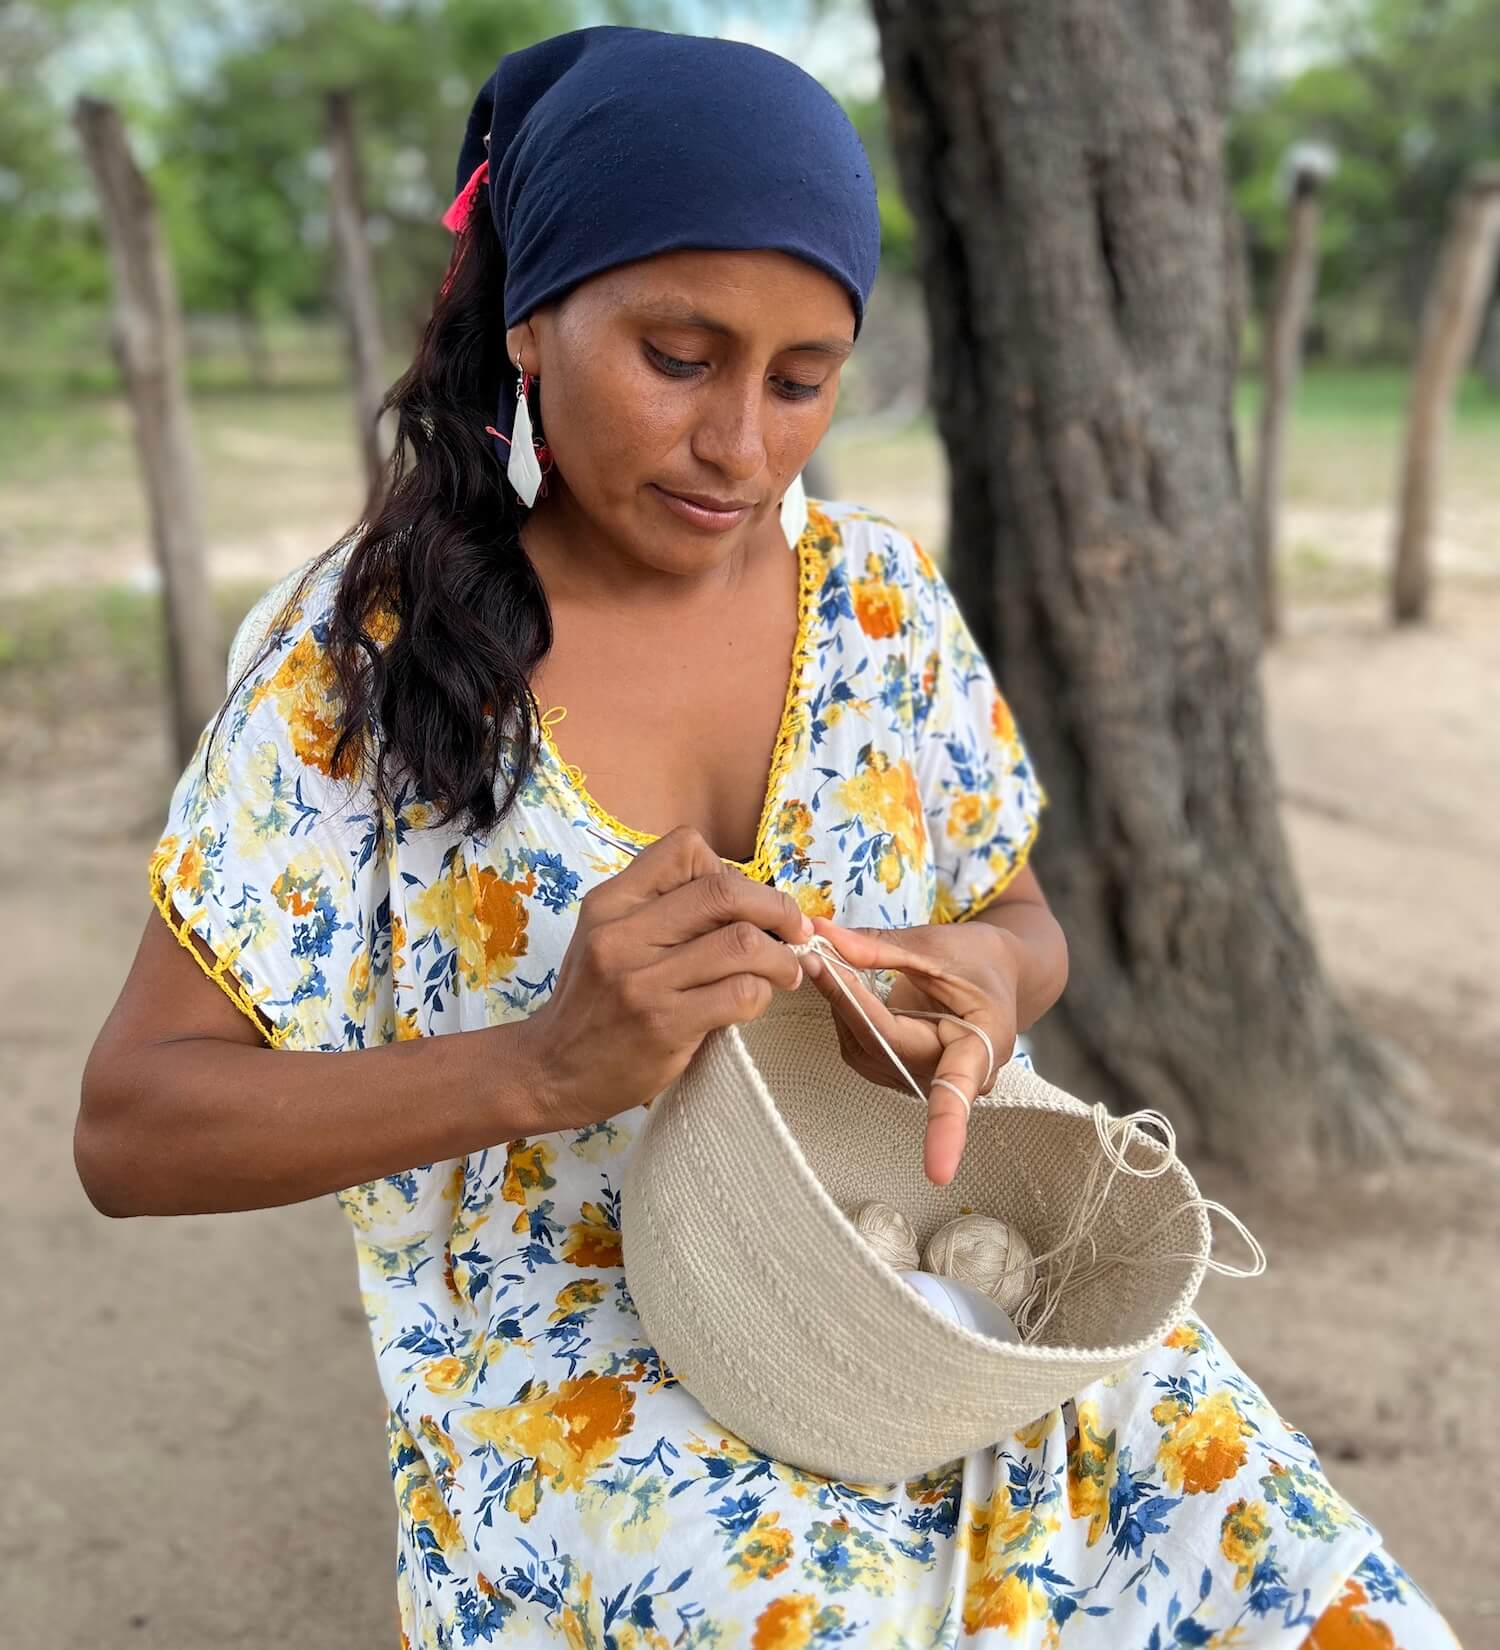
<point>276,862</point>
<point>980,795</point>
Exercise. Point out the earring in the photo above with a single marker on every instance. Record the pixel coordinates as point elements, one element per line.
<point>523,469</point>
<point>794,511</point>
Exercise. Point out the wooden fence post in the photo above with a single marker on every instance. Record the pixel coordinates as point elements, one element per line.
<point>146,336</point>
<point>358,292</point>
<point>1296,279</point>
<point>1451,318</point>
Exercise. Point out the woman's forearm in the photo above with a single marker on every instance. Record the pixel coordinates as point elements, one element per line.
<point>202,1126</point>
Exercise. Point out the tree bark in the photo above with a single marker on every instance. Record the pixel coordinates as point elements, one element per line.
<point>1282,363</point>
<point>357,288</point>
<point>1451,317</point>
<point>146,335</point>
<point>1064,164</point>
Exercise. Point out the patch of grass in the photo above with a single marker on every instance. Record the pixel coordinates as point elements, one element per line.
<point>67,649</point>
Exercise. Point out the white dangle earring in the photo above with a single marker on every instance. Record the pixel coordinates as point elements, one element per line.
<point>522,469</point>
<point>794,511</point>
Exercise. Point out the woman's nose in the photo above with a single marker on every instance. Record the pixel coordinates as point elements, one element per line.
<point>732,435</point>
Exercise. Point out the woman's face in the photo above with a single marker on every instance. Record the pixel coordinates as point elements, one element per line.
<point>681,394</point>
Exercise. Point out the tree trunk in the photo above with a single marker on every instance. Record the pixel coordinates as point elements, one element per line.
<point>1064,164</point>
<point>1295,281</point>
<point>357,288</point>
<point>1451,316</point>
<point>146,335</point>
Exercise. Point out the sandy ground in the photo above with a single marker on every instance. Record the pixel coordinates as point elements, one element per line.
<point>191,1411</point>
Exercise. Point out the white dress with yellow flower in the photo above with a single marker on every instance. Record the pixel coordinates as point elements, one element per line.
<point>554,1484</point>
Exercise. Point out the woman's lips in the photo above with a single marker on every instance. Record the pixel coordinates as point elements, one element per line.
<point>715,519</point>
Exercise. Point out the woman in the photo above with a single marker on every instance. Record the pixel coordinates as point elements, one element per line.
<point>664,249</point>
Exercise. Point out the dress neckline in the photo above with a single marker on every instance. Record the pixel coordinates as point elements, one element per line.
<point>761,866</point>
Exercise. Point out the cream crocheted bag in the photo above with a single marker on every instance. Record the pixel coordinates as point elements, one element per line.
<point>769,1307</point>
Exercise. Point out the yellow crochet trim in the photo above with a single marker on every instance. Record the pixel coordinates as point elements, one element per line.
<point>182,927</point>
<point>990,895</point>
<point>809,574</point>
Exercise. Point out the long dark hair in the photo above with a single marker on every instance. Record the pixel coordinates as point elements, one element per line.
<point>438,551</point>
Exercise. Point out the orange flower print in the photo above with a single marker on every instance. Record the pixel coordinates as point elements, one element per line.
<point>815,899</point>
<point>971,818</point>
<point>786,1623</point>
<point>573,1298</point>
<point>1091,1470</point>
<point>1204,1444</point>
<point>879,607</point>
<point>1186,1337</point>
<point>190,868</point>
<point>493,921</point>
<point>1243,1536</point>
<point>569,1433</point>
<point>305,689</point>
<point>527,1178</point>
<point>445,1374</point>
<point>1002,723</point>
<point>592,1241</point>
<point>1345,1626</point>
<point>883,795</point>
<point>762,1552</point>
<point>1003,1540</point>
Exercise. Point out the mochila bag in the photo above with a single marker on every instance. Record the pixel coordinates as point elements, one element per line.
<point>769,1307</point>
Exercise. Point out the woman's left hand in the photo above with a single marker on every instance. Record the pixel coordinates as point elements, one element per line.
<point>967,969</point>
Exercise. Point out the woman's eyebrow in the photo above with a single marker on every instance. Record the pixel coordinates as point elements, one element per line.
<point>683,316</point>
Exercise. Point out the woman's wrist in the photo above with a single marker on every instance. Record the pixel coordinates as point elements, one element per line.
<point>522,1086</point>
<point>1023,947</point>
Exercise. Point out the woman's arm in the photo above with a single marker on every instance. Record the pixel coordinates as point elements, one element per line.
<point>186,1110</point>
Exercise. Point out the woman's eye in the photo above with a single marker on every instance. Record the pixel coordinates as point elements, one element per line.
<point>795,390</point>
<point>670,364</point>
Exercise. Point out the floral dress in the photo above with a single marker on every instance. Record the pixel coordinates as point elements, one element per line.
<point>554,1485</point>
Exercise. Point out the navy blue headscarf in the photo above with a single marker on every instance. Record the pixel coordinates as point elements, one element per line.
<point>611,144</point>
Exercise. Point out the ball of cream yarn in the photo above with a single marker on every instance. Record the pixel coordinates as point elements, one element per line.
<point>989,1254</point>
<point>889,1233</point>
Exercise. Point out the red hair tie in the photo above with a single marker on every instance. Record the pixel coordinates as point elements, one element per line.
<point>457,215</point>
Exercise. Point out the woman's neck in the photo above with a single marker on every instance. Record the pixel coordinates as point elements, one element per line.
<point>581,566</point>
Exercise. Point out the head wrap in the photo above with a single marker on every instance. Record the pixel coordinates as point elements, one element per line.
<point>605,145</point>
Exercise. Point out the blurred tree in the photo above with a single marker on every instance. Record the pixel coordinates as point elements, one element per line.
<point>1065,167</point>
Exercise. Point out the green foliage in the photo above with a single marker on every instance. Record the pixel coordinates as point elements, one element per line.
<point>1405,92</point>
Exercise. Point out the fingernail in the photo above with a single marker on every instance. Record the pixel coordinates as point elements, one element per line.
<point>796,984</point>
<point>807,928</point>
<point>812,965</point>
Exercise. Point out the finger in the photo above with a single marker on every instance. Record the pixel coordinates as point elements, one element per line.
<point>947,1134</point>
<point>727,1002</point>
<point>678,857</point>
<point>913,1043</point>
<point>904,949</point>
<point>736,948</point>
<point>962,1069</point>
<point>838,985</point>
<point>722,897</point>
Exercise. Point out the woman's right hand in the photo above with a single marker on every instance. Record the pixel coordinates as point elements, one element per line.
<point>664,952</point>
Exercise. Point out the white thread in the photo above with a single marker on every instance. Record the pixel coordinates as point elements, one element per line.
<point>1114,1133</point>
<point>825,949</point>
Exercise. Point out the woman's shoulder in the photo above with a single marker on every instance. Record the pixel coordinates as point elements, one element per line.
<point>283,686</point>
<point>299,602</point>
<point>875,572</point>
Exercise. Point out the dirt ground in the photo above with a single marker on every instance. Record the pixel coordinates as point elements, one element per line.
<point>191,1411</point>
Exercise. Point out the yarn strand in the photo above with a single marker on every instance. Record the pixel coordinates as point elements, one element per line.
<point>1064,1267</point>
<point>828,952</point>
